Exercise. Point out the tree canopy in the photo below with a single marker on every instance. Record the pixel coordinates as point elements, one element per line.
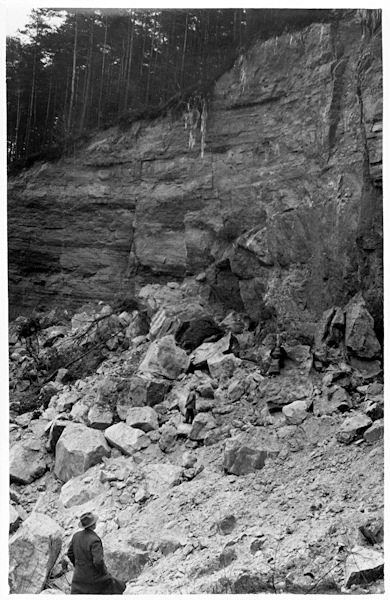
<point>97,67</point>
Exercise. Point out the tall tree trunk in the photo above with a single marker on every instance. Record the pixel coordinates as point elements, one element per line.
<point>31,105</point>
<point>72,87</point>
<point>102,75</point>
<point>129,62</point>
<point>183,56</point>
<point>86,100</point>
<point>150,60</point>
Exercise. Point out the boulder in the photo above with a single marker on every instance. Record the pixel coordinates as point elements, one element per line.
<point>127,439</point>
<point>208,349</point>
<point>142,417</point>
<point>192,333</point>
<point>366,369</point>
<point>165,359</point>
<point>363,565</point>
<point>81,489</point>
<point>122,559</point>
<point>78,449</point>
<point>353,427</point>
<point>318,429</point>
<point>170,541</point>
<point>375,432</point>
<point>144,390</point>
<point>33,551</point>
<point>329,334</point>
<point>332,401</point>
<point>222,365</point>
<point>100,416</point>
<point>28,460</point>
<point>202,423</point>
<point>278,391</point>
<point>300,355</point>
<point>137,327</point>
<point>248,452</point>
<point>66,400</point>
<point>161,477</point>
<point>237,389</point>
<point>296,412</point>
<point>360,338</point>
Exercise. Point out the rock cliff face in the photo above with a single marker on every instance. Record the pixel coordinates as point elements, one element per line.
<point>282,212</point>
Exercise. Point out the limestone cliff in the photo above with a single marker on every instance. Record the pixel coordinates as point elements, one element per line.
<point>282,212</point>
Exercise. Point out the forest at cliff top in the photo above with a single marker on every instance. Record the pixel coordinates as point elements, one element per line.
<point>99,67</point>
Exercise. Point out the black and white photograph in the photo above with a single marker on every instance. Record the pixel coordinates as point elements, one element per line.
<point>194,306</point>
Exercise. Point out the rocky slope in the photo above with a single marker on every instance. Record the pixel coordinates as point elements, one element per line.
<point>277,486</point>
<point>282,211</point>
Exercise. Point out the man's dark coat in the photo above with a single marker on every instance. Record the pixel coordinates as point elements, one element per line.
<point>90,573</point>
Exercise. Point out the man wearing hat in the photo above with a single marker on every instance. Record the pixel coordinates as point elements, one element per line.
<point>86,554</point>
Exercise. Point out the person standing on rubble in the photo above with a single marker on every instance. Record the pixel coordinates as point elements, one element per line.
<point>190,405</point>
<point>86,555</point>
<point>278,356</point>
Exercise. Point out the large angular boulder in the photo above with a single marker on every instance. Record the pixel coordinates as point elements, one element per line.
<point>222,365</point>
<point>201,425</point>
<point>123,560</point>
<point>28,460</point>
<point>33,551</point>
<point>142,417</point>
<point>165,359</point>
<point>127,439</point>
<point>208,349</point>
<point>363,565</point>
<point>296,412</point>
<point>144,390</point>
<point>161,477</point>
<point>353,427</point>
<point>100,416</point>
<point>360,338</point>
<point>81,489</point>
<point>329,335</point>
<point>237,389</point>
<point>247,453</point>
<point>78,449</point>
<point>375,432</point>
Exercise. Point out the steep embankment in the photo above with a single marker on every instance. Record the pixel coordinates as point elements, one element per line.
<point>283,211</point>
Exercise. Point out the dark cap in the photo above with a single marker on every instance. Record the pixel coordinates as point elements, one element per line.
<point>88,519</point>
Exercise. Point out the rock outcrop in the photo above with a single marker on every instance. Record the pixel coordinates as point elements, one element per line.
<point>282,215</point>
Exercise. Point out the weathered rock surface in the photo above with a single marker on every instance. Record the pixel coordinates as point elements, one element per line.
<point>81,489</point>
<point>78,449</point>
<point>28,460</point>
<point>143,417</point>
<point>160,477</point>
<point>280,232</point>
<point>127,439</point>
<point>165,359</point>
<point>33,550</point>
<point>360,337</point>
<point>352,427</point>
<point>122,558</point>
<point>363,565</point>
<point>296,412</point>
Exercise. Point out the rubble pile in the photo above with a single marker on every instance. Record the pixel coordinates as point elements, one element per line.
<point>276,485</point>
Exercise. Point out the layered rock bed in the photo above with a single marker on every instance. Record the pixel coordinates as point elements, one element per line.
<point>276,486</point>
<point>282,210</point>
